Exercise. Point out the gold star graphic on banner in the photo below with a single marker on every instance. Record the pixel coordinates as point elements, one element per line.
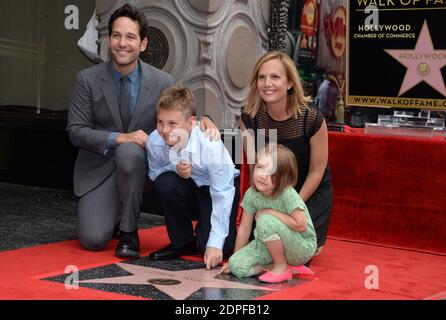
<point>423,63</point>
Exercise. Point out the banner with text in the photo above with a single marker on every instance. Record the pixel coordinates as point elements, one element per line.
<point>396,54</point>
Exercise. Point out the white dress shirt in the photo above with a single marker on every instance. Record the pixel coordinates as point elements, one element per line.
<point>211,166</point>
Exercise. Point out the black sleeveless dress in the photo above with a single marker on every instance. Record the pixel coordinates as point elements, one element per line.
<point>295,134</point>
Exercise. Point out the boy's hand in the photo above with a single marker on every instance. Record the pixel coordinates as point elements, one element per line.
<point>184,169</point>
<point>261,212</point>
<point>212,257</point>
<point>225,268</point>
<point>210,129</point>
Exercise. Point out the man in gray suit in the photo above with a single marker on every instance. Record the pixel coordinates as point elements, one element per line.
<point>112,111</point>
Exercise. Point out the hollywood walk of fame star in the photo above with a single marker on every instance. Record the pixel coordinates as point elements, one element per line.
<point>423,63</point>
<point>177,284</point>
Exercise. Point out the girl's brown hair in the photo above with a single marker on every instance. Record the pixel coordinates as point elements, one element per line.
<point>285,165</point>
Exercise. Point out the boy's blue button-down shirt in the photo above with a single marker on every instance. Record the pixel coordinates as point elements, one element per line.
<point>211,166</point>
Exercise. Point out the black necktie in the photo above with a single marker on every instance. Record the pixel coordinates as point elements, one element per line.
<point>125,104</point>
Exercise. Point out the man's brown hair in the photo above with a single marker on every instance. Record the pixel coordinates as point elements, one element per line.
<point>133,14</point>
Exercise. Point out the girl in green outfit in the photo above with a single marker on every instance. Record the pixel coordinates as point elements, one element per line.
<point>284,237</point>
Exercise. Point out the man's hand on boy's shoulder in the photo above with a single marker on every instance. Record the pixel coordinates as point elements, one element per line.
<point>210,129</point>
<point>212,257</point>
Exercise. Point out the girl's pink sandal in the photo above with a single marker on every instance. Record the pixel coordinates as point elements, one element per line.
<point>276,278</point>
<point>301,270</point>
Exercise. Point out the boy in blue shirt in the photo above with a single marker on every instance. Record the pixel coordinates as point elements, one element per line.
<point>194,178</point>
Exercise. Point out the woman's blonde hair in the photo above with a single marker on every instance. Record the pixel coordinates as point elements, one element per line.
<point>296,102</point>
<point>285,165</point>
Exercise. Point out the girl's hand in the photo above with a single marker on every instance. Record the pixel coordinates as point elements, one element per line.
<point>225,268</point>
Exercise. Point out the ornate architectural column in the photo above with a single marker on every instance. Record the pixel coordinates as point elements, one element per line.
<point>209,45</point>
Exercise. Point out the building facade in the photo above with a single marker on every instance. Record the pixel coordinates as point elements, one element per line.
<point>209,45</point>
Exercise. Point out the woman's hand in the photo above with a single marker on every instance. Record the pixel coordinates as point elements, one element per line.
<point>210,129</point>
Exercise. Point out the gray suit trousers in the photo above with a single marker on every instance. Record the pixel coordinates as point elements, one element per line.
<point>117,198</point>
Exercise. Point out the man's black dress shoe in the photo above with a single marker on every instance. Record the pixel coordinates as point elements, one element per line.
<point>168,253</point>
<point>117,232</point>
<point>128,245</point>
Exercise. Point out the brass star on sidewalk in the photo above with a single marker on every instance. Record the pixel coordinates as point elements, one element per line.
<point>177,284</point>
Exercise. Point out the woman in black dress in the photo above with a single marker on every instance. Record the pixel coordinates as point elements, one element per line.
<point>277,104</point>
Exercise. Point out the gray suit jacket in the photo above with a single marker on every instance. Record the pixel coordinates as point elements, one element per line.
<point>94,114</point>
